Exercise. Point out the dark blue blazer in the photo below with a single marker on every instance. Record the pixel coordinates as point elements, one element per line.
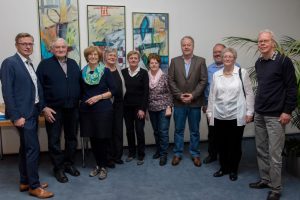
<point>18,89</point>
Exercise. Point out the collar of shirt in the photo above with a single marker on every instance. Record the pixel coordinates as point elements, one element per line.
<point>235,71</point>
<point>217,66</point>
<point>188,60</point>
<point>273,57</point>
<point>133,73</point>
<point>62,62</point>
<point>23,58</point>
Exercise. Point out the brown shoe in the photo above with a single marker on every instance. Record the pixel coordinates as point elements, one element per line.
<point>197,161</point>
<point>40,193</point>
<point>25,187</point>
<point>176,160</point>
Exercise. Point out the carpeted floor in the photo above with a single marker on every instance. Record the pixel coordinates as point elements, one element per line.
<point>150,181</point>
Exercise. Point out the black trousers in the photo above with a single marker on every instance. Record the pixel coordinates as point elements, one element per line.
<point>99,149</point>
<point>66,118</point>
<point>29,151</point>
<point>229,140</point>
<point>212,142</point>
<point>134,125</point>
<point>115,150</point>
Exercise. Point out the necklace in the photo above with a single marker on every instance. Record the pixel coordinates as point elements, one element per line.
<point>227,72</point>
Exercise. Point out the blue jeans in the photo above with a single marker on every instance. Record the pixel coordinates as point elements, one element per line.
<point>160,124</point>
<point>194,116</point>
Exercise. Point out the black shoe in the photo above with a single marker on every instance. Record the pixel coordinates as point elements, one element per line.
<point>163,160</point>
<point>130,158</point>
<point>71,169</point>
<point>140,161</point>
<point>119,161</point>
<point>233,176</point>
<point>156,155</point>
<point>273,196</point>
<point>61,176</point>
<point>111,164</point>
<point>209,159</point>
<point>259,185</point>
<point>219,173</point>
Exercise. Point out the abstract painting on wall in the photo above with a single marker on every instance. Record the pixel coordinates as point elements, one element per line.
<point>151,35</point>
<point>59,19</point>
<point>106,28</point>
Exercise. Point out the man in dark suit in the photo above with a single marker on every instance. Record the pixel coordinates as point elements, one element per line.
<point>187,80</point>
<point>23,99</point>
<point>60,79</point>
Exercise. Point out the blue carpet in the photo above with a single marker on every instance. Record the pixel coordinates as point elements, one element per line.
<point>150,181</point>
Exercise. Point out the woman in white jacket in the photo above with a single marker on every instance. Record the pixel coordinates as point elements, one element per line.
<point>230,107</point>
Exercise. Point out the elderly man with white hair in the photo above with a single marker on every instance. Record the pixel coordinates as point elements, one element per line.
<point>60,79</point>
<point>275,100</point>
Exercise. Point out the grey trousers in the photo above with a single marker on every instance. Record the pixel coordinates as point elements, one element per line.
<point>269,139</point>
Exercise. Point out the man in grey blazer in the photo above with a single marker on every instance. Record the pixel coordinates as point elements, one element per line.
<point>187,80</point>
<point>23,99</point>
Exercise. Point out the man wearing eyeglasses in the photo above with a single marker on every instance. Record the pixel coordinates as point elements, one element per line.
<point>275,100</point>
<point>22,94</point>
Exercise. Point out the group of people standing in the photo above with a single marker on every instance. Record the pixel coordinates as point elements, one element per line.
<point>100,95</point>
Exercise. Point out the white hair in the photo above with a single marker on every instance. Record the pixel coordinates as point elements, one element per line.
<point>58,40</point>
<point>267,31</point>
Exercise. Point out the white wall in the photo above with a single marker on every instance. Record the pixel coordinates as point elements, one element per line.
<point>207,21</point>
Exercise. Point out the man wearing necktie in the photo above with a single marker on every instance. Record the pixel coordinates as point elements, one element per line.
<point>22,94</point>
<point>187,80</point>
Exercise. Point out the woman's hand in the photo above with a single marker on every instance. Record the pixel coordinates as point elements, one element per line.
<point>94,99</point>
<point>168,111</point>
<point>249,119</point>
<point>141,114</point>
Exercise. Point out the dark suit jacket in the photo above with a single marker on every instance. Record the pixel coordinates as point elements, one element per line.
<point>194,83</point>
<point>18,89</point>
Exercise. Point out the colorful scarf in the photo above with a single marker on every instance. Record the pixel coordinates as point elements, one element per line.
<point>153,80</point>
<point>93,78</point>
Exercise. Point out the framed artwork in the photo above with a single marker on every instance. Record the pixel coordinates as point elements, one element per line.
<point>151,35</point>
<point>106,28</point>
<point>59,19</point>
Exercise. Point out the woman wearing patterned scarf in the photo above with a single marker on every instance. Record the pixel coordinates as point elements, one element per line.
<point>96,111</point>
<point>160,107</point>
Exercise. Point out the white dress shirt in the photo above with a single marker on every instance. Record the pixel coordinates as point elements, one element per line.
<point>226,99</point>
<point>133,73</point>
<point>32,74</point>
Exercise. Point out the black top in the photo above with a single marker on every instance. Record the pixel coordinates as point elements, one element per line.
<point>60,89</point>
<point>106,84</point>
<point>137,89</point>
<point>277,88</point>
<point>119,90</point>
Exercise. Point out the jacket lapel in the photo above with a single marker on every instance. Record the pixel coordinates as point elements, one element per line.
<point>182,68</point>
<point>191,68</point>
<point>22,66</point>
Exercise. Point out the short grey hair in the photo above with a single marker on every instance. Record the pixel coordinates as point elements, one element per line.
<point>220,44</point>
<point>187,37</point>
<point>56,40</point>
<point>231,50</point>
<point>267,31</point>
<point>110,50</point>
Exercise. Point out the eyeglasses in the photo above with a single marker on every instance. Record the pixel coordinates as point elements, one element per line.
<point>26,44</point>
<point>263,41</point>
<point>228,56</point>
